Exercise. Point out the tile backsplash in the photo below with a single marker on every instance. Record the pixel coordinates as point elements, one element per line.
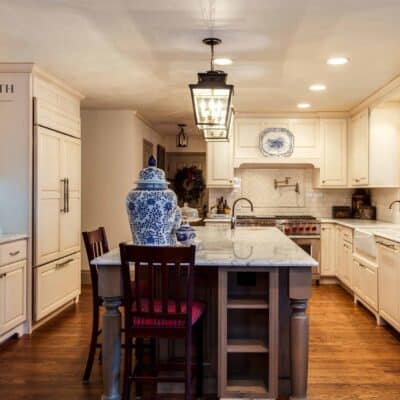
<point>258,186</point>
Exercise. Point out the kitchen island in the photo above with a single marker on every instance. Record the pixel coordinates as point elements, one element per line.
<point>256,283</point>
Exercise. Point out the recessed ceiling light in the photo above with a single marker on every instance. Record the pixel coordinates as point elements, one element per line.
<point>317,87</point>
<point>222,61</point>
<point>337,60</point>
<point>303,105</point>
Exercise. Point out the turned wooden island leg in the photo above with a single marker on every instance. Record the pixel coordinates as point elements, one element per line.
<point>299,349</point>
<point>111,349</point>
<point>299,292</point>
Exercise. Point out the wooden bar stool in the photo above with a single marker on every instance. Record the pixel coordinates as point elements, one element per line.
<point>165,312</point>
<point>96,244</point>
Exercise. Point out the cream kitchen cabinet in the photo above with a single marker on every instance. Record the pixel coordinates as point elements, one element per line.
<point>374,145</point>
<point>328,250</point>
<point>12,295</point>
<point>365,283</point>
<point>12,286</point>
<point>56,106</point>
<point>359,149</point>
<point>389,281</point>
<point>247,138</point>
<point>344,254</point>
<point>220,164</point>
<point>384,146</point>
<point>333,171</point>
<point>57,195</point>
<point>55,284</point>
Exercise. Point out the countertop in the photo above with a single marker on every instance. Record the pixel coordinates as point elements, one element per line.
<point>226,220</point>
<point>382,229</point>
<point>11,237</point>
<point>240,247</point>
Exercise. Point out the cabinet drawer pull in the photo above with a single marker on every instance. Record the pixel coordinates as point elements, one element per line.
<point>64,263</point>
<point>14,253</point>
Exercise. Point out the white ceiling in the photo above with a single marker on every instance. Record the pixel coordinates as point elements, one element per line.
<point>141,54</point>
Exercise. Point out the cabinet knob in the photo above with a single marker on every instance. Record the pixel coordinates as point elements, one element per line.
<point>324,181</point>
<point>3,275</point>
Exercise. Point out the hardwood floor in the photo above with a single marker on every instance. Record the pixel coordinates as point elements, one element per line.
<point>350,357</point>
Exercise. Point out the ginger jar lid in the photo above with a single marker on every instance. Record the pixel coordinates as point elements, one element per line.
<point>151,177</point>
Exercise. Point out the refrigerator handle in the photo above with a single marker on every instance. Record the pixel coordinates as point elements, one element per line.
<point>34,114</point>
<point>67,181</point>
<point>64,182</point>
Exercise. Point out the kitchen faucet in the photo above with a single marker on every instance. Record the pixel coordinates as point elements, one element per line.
<point>393,203</point>
<point>234,206</point>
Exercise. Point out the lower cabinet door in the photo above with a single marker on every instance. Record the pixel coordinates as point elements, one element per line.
<point>13,300</point>
<point>56,284</point>
<point>369,285</point>
<point>347,259</point>
<point>356,277</point>
<point>389,283</point>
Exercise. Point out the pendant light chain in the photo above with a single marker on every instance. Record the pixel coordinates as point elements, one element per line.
<point>212,57</point>
<point>208,11</point>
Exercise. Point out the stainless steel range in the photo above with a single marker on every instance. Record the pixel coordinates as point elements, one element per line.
<point>304,230</point>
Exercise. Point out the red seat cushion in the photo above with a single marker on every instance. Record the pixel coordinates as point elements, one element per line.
<point>155,322</point>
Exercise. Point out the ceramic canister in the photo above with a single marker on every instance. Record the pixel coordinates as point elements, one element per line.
<point>153,211</point>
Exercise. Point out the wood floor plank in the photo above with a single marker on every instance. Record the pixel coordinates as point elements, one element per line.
<point>350,357</point>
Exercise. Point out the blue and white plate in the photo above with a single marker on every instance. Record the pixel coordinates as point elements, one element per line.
<point>276,142</point>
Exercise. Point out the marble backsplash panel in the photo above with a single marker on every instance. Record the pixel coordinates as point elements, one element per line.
<point>258,186</point>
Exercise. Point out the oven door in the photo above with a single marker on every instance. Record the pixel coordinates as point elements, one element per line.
<point>311,246</point>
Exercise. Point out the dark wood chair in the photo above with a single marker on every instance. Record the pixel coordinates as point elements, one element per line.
<point>168,310</point>
<point>96,244</point>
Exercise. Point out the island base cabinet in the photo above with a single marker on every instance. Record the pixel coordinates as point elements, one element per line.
<point>248,334</point>
<point>55,284</point>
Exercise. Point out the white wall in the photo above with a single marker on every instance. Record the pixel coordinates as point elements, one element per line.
<point>112,143</point>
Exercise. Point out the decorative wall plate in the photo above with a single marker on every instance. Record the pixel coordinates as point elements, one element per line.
<point>276,142</point>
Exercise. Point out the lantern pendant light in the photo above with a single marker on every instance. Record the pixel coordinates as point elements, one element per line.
<point>181,138</point>
<point>212,100</point>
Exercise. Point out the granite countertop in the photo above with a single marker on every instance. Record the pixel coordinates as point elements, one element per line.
<point>11,237</point>
<point>383,229</point>
<point>241,247</point>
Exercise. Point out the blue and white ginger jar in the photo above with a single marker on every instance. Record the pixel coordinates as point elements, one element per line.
<point>186,234</point>
<point>153,211</point>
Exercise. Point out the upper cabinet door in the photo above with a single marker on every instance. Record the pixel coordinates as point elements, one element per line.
<point>384,137</point>
<point>219,164</point>
<point>56,108</point>
<point>334,152</point>
<point>359,150</point>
